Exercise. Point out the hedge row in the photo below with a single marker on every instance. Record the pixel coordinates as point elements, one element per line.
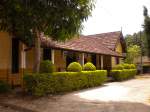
<point>41,84</point>
<point>119,75</point>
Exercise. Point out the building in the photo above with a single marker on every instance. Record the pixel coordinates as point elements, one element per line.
<point>103,50</point>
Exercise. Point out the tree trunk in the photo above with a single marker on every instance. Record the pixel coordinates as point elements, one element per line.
<point>37,53</point>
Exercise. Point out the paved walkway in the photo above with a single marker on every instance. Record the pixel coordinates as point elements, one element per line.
<point>127,96</point>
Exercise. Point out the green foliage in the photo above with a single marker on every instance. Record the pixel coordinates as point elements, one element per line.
<point>118,67</point>
<point>147,28</point>
<point>4,87</point>
<point>124,66</point>
<point>119,75</point>
<point>137,39</point>
<point>133,53</point>
<point>58,82</point>
<point>47,66</point>
<point>56,19</point>
<point>89,67</point>
<point>74,67</point>
<point>132,66</point>
<point>59,19</point>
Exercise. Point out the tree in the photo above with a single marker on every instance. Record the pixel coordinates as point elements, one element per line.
<point>147,28</point>
<point>57,19</point>
<point>138,39</point>
<point>133,52</point>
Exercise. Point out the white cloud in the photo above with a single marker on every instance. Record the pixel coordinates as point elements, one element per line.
<point>111,15</point>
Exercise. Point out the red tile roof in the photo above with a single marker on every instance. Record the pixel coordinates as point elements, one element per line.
<point>109,39</point>
<point>99,43</point>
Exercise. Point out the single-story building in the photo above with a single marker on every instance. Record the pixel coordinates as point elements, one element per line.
<point>103,50</point>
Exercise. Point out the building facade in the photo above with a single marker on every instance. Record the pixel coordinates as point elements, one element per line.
<point>103,50</point>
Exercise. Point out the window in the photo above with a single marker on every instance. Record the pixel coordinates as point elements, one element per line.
<point>46,54</point>
<point>117,60</point>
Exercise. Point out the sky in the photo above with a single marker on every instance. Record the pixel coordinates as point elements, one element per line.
<point>114,15</point>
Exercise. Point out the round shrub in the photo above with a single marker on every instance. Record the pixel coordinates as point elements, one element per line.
<point>126,66</point>
<point>89,67</point>
<point>47,66</point>
<point>74,67</point>
<point>132,66</point>
<point>118,67</point>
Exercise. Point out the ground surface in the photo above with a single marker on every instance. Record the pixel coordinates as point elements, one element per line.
<point>128,96</point>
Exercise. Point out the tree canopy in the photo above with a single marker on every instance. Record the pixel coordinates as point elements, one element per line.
<point>57,19</point>
<point>133,52</point>
<point>147,27</point>
<point>138,39</point>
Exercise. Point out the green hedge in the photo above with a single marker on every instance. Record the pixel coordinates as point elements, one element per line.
<point>74,67</point>
<point>89,67</point>
<point>124,66</point>
<point>46,66</point>
<point>119,75</point>
<point>57,82</point>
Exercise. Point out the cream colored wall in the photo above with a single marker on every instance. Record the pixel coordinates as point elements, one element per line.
<point>5,50</point>
<point>119,50</point>
<point>5,55</point>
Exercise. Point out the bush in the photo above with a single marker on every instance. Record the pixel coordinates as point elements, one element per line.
<point>119,75</point>
<point>132,66</point>
<point>89,67</point>
<point>57,82</point>
<point>118,67</point>
<point>126,66</point>
<point>47,66</point>
<point>4,87</point>
<point>74,67</point>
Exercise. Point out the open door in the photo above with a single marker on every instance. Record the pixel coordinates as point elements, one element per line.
<point>15,56</point>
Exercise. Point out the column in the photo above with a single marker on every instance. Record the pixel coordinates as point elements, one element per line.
<point>53,56</point>
<point>82,59</point>
<point>102,62</point>
<point>23,57</point>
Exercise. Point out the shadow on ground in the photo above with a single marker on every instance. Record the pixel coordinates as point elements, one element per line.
<point>59,104</point>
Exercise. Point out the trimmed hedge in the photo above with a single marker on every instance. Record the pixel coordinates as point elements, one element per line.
<point>124,66</point>
<point>89,67</point>
<point>74,67</point>
<point>57,82</point>
<point>118,67</point>
<point>47,66</point>
<point>119,75</point>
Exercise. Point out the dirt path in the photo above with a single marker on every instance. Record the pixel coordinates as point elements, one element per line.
<point>127,96</point>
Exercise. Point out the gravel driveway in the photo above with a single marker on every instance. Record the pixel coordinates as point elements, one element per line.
<point>127,96</point>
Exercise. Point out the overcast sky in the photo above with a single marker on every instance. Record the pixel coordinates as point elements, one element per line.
<point>111,15</point>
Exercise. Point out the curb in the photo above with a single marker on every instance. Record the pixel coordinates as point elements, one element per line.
<point>15,107</point>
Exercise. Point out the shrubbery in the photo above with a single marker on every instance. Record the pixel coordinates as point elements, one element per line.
<point>124,66</point>
<point>123,71</point>
<point>47,66</point>
<point>41,84</point>
<point>89,67</point>
<point>4,87</point>
<point>119,75</point>
<point>74,67</point>
<point>118,67</point>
